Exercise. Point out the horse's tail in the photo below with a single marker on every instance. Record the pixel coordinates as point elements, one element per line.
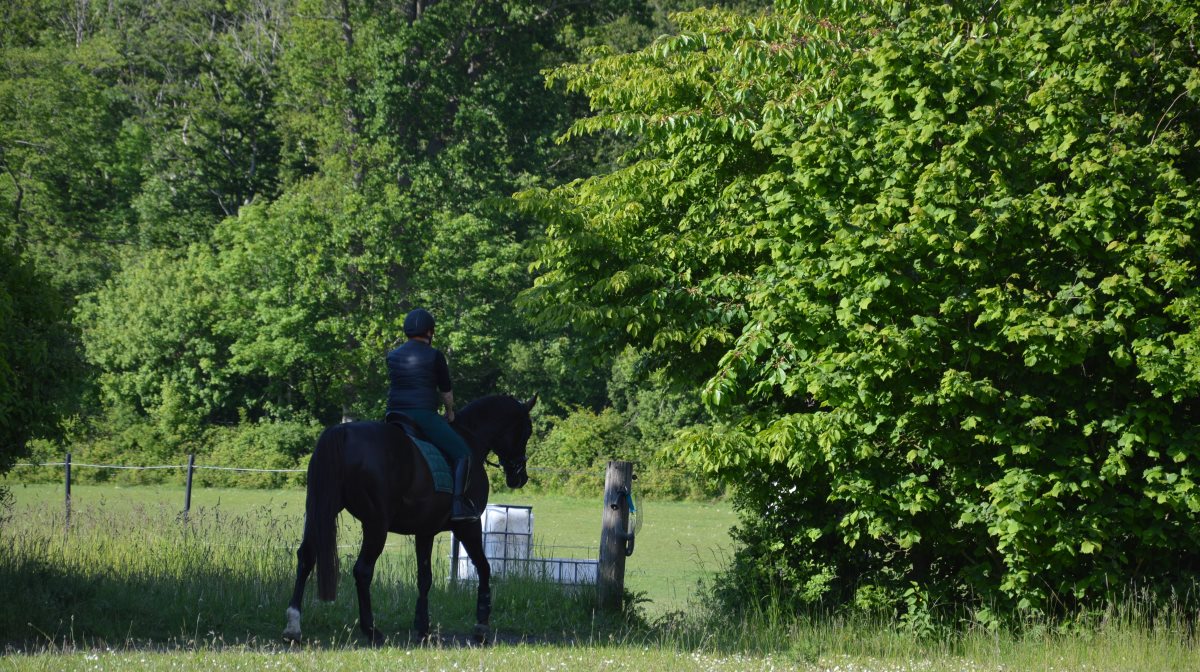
<point>322,506</point>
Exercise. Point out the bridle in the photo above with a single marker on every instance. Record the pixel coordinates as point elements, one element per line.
<point>507,464</point>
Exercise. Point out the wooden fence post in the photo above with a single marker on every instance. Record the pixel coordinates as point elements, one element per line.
<point>618,481</point>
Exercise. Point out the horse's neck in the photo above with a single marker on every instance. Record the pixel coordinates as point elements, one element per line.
<point>476,437</point>
<point>481,431</point>
<point>479,488</point>
<point>485,420</point>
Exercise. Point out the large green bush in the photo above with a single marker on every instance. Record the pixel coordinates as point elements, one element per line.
<point>935,265</point>
<point>573,455</point>
<point>571,451</point>
<point>274,445</point>
<point>263,444</point>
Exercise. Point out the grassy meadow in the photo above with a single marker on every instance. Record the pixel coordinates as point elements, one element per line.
<point>132,585</point>
<point>679,544</point>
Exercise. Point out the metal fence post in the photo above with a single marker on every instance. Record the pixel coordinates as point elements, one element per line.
<point>454,554</point>
<point>67,495</point>
<point>187,493</point>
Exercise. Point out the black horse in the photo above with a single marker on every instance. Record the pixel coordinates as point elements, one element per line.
<point>373,470</point>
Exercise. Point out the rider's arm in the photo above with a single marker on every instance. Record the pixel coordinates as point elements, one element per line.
<point>442,372</point>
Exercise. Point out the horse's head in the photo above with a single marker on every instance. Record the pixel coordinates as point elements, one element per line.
<point>501,424</point>
<point>510,449</point>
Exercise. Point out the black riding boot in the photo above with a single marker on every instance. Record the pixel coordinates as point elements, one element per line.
<point>462,509</point>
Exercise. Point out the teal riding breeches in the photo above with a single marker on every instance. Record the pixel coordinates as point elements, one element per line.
<point>439,433</point>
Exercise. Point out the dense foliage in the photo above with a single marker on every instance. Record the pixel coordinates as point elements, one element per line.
<point>31,337</point>
<point>218,212</point>
<point>935,267</point>
<point>932,265</point>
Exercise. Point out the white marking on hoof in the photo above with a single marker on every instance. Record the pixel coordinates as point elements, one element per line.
<point>292,631</point>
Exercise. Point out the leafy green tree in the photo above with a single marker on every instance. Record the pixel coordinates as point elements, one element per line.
<point>421,111</point>
<point>654,409</point>
<point>337,160</point>
<point>68,164</point>
<point>934,265</point>
<point>245,196</point>
<point>126,126</point>
<point>279,318</point>
<point>34,375</point>
<point>216,147</point>
<point>132,125</point>
<point>309,299</point>
<point>24,23</point>
<point>576,449</point>
<point>151,332</point>
<point>469,276</point>
<point>200,76</point>
<point>636,422</point>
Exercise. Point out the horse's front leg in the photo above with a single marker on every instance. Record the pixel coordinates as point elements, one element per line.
<point>374,538</point>
<point>471,536</point>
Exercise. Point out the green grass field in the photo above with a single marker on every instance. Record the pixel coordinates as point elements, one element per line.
<point>680,542</point>
<point>133,586</point>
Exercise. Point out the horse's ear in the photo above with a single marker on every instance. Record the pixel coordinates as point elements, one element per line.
<point>530,403</point>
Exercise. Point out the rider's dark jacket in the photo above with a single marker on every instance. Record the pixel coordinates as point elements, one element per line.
<point>418,372</point>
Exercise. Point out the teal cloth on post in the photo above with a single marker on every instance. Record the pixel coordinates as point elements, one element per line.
<point>443,481</point>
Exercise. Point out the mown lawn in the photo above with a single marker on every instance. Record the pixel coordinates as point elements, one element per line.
<point>1111,652</point>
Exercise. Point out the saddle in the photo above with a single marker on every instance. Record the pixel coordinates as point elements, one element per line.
<point>443,480</point>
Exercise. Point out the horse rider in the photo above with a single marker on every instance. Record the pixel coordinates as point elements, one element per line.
<point>420,383</point>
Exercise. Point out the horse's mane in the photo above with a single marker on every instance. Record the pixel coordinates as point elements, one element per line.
<point>492,413</point>
<point>492,403</point>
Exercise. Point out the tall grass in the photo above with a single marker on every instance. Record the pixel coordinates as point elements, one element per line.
<point>149,576</point>
<point>145,576</point>
<point>143,587</point>
<point>681,541</point>
<point>1136,633</point>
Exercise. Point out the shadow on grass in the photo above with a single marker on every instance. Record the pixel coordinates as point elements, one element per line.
<point>148,580</point>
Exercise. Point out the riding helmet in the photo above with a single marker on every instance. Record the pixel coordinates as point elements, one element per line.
<point>418,323</point>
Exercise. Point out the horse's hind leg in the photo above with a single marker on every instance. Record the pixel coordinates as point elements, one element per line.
<point>424,549</point>
<point>471,536</point>
<point>306,559</point>
<point>374,538</point>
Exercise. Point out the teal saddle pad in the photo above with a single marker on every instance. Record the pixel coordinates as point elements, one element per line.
<point>443,481</point>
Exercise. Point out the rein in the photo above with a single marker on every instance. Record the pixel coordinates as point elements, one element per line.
<point>500,464</point>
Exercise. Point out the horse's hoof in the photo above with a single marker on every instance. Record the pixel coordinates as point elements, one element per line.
<point>292,632</point>
<point>481,634</point>
<point>375,637</point>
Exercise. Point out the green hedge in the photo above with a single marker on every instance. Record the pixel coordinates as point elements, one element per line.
<point>573,455</point>
<point>276,444</point>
